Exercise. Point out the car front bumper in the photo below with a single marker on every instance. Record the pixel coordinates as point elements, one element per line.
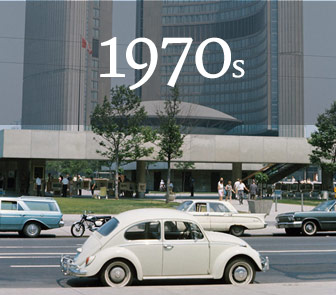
<point>68,267</point>
<point>264,263</point>
<point>293,224</point>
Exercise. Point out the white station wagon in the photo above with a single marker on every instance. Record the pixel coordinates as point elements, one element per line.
<point>222,216</point>
<point>152,244</point>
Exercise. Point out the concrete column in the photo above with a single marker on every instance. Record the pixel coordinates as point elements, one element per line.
<point>140,177</point>
<point>236,171</point>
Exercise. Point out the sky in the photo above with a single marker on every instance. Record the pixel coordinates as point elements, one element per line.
<point>319,55</point>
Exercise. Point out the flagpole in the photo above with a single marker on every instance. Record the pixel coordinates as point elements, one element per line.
<point>80,78</point>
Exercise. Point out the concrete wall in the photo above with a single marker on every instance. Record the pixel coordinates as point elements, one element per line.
<point>37,144</point>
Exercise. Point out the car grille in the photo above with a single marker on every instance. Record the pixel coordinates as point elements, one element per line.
<point>283,218</point>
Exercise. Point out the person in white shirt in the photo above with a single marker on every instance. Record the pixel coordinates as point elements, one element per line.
<point>235,186</point>
<point>38,186</point>
<point>220,188</point>
<point>65,182</point>
<point>240,191</point>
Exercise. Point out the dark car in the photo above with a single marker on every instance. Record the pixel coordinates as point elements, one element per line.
<point>321,218</point>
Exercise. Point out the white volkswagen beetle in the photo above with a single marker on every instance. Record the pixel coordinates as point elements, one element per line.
<point>222,216</point>
<point>162,244</point>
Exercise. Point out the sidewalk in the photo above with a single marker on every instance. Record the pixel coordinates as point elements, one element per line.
<point>69,219</point>
<point>307,288</point>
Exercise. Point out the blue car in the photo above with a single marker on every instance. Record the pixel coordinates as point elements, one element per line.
<point>29,215</point>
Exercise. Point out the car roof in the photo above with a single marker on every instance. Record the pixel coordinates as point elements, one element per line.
<point>133,216</point>
<point>27,198</point>
<point>226,203</point>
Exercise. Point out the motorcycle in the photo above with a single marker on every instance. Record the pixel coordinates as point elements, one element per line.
<point>90,222</point>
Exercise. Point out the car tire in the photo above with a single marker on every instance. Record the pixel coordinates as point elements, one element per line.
<point>117,273</point>
<point>32,230</point>
<point>309,228</point>
<point>237,230</point>
<point>239,271</point>
<point>77,230</point>
<point>292,231</point>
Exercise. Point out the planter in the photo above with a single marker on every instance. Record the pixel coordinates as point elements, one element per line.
<point>260,206</point>
<point>171,197</point>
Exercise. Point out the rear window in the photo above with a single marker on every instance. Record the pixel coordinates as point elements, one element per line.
<point>108,227</point>
<point>8,205</point>
<point>41,206</point>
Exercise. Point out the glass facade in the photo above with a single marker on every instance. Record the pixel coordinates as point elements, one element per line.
<point>253,99</point>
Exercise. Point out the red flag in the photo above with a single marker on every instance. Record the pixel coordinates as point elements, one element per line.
<point>89,49</point>
<point>83,43</point>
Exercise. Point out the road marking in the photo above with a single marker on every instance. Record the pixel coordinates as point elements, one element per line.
<point>38,253</point>
<point>28,257</point>
<point>296,251</point>
<point>34,266</point>
<point>36,247</point>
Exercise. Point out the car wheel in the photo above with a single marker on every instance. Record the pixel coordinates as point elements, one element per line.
<point>77,230</point>
<point>309,228</point>
<point>32,230</point>
<point>292,231</point>
<point>237,230</point>
<point>239,271</point>
<point>117,274</point>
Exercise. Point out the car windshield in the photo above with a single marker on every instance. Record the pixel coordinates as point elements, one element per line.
<point>184,206</point>
<point>108,227</point>
<point>323,206</point>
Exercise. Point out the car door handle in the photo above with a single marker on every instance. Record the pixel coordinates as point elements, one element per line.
<point>22,214</point>
<point>168,247</point>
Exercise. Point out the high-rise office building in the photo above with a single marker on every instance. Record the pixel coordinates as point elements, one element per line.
<point>267,35</point>
<point>62,62</point>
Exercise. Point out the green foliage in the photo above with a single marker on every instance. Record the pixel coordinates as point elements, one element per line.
<point>261,178</point>
<point>170,139</point>
<point>118,122</point>
<point>324,140</point>
<point>74,167</point>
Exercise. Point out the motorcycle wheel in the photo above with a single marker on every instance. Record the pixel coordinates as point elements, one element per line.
<point>77,229</point>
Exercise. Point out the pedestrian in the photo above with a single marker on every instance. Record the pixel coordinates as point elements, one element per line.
<point>228,189</point>
<point>192,184</point>
<point>92,186</point>
<point>235,186</point>
<point>220,188</point>
<point>79,184</point>
<point>240,191</point>
<point>253,189</point>
<point>162,185</point>
<point>38,185</point>
<point>171,187</point>
<point>65,183</point>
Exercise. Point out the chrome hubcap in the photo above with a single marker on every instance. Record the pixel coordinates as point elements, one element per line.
<point>117,274</point>
<point>309,228</point>
<point>240,274</point>
<point>32,229</point>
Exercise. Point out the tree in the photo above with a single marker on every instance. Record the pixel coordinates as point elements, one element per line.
<point>324,142</point>
<point>261,178</point>
<point>73,167</point>
<point>170,138</point>
<point>184,166</point>
<point>119,124</point>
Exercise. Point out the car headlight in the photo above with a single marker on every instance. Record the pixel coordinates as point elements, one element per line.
<point>89,260</point>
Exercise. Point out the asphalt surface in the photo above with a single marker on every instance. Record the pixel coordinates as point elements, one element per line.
<point>34,263</point>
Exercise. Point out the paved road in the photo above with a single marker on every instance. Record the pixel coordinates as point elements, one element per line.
<point>34,263</point>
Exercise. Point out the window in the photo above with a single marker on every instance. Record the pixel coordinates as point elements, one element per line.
<point>41,206</point>
<point>94,95</point>
<point>94,75</point>
<point>95,48</point>
<point>96,12</point>
<point>216,207</point>
<point>96,22</point>
<point>181,230</point>
<point>8,205</point>
<point>108,227</point>
<point>201,207</point>
<point>184,206</point>
<point>96,33</point>
<point>94,84</point>
<point>95,64</point>
<point>144,231</point>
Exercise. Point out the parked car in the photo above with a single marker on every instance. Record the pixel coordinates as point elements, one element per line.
<point>29,215</point>
<point>162,244</point>
<point>321,218</point>
<point>222,216</point>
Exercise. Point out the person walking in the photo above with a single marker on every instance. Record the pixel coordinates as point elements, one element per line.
<point>253,190</point>
<point>79,184</point>
<point>65,183</point>
<point>92,186</point>
<point>220,188</point>
<point>228,189</point>
<point>240,191</point>
<point>38,185</point>
<point>235,186</point>
<point>192,186</point>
